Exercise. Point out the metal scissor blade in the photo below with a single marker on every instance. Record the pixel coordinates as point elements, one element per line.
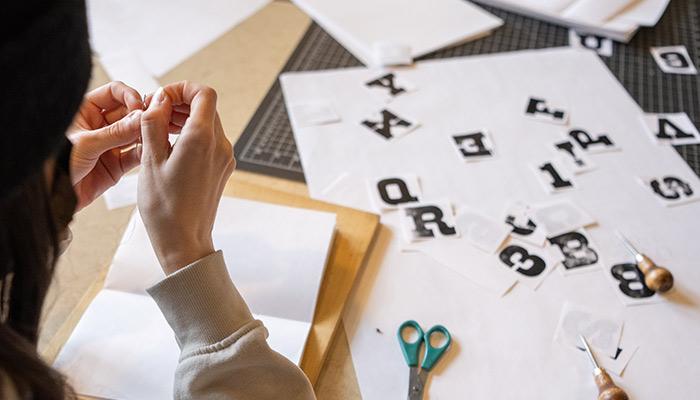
<point>416,383</point>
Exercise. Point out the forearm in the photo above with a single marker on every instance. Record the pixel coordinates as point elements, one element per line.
<point>224,352</point>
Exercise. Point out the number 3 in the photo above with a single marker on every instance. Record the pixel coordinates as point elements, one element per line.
<point>526,263</point>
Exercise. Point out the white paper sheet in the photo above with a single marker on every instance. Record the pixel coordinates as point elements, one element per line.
<point>122,194</point>
<point>159,34</point>
<point>595,12</point>
<point>611,19</point>
<point>504,344</point>
<point>123,348</point>
<point>423,26</point>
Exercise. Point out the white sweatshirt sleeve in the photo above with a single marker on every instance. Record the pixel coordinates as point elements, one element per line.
<point>224,352</point>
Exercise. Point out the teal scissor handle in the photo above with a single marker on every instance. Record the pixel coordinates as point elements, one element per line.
<point>433,354</point>
<point>411,350</point>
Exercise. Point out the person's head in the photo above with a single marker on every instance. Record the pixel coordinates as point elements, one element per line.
<point>45,66</point>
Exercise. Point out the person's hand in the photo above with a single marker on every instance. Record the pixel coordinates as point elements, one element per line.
<point>103,134</point>
<point>180,187</point>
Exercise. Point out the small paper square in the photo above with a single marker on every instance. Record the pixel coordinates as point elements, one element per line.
<point>600,44</point>
<point>561,216</point>
<point>674,60</point>
<point>314,113</point>
<point>485,233</point>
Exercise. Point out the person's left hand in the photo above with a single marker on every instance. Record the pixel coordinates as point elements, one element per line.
<point>105,135</point>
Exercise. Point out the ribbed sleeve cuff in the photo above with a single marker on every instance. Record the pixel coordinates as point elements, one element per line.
<point>200,303</point>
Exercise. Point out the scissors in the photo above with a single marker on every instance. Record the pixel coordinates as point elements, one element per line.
<point>411,352</point>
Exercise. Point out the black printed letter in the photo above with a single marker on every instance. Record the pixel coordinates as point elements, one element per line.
<point>673,189</point>
<point>525,263</point>
<point>631,281</point>
<point>434,217</point>
<point>585,140</point>
<point>539,106</point>
<point>557,181</point>
<point>405,194</point>
<point>386,81</point>
<point>475,147</point>
<point>389,120</point>
<point>678,132</point>
<point>575,248</point>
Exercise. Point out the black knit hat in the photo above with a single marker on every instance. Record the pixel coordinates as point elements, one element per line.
<point>44,71</point>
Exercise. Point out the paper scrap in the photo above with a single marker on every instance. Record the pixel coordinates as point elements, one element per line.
<point>670,190</point>
<point>674,129</point>
<point>390,85</point>
<point>483,232</point>
<point>474,145</point>
<point>388,53</point>
<point>628,283</point>
<point>530,263</point>
<point>553,176</point>
<point>674,60</point>
<point>540,109</point>
<point>524,226</point>
<point>600,44</point>
<point>561,216</point>
<point>579,251</point>
<point>428,220</point>
<point>390,192</point>
<point>314,113</point>
<point>602,333</point>
<point>389,125</point>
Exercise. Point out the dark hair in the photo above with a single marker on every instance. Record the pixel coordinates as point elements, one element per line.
<point>29,248</point>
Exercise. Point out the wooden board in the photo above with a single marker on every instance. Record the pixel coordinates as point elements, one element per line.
<point>354,235</point>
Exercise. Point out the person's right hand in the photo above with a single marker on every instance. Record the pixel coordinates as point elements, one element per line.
<point>180,187</point>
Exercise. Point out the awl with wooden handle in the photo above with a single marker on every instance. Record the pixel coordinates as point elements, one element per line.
<point>607,390</point>
<point>657,278</point>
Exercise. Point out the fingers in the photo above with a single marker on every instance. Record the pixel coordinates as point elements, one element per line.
<point>121,133</point>
<point>115,115</point>
<point>154,128</point>
<point>114,95</point>
<point>201,100</point>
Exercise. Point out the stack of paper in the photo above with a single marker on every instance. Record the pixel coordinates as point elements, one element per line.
<point>371,28</point>
<point>140,41</point>
<point>616,19</point>
<point>123,348</point>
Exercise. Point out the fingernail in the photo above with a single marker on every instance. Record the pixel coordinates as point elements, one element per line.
<point>158,96</point>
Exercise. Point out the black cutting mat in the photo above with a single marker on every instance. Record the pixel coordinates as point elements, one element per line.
<point>267,144</point>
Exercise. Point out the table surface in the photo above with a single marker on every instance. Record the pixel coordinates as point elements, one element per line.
<point>241,65</point>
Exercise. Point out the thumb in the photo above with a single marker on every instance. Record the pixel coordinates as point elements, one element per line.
<point>120,133</point>
<point>154,128</point>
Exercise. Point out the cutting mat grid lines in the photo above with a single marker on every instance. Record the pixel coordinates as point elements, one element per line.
<point>267,144</point>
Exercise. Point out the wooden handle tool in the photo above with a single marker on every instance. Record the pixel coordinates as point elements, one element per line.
<point>657,278</point>
<point>607,390</point>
